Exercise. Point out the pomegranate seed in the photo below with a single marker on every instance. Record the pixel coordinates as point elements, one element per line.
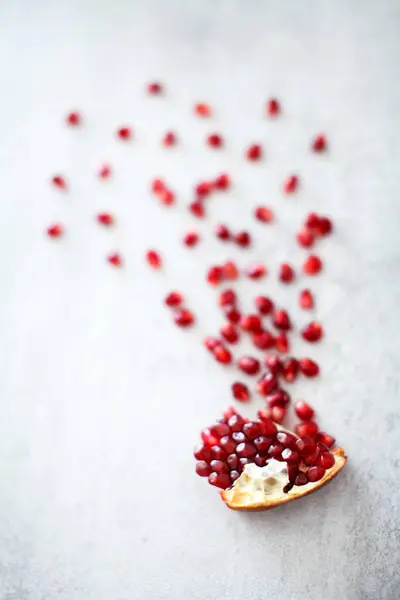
<point>291,184</point>
<point>275,451</point>
<point>256,271</point>
<point>222,182</point>
<point>249,365</point>
<point>281,319</point>
<point>260,460</point>
<point>305,446</point>
<point>105,219</point>
<point>230,270</point>
<point>203,453</point>
<point>324,227</point>
<point>217,453</point>
<point>267,425</point>
<point>173,299</point>
<point>208,438</point>
<point>308,429</point>
<point>203,189</point>
<point>278,398</point>
<point>262,444</point>
<point>154,88</point>
<point>273,107</point>
<point>227,298</point>
<point>124,133</point>
<point>319,143</point>
<point>290,456</point>
<point>233,315</point>
<point>234,475</point>
<point>154,259</point>
<point>306,300</point>
<point>184,318</point>
<point>220,480</point>
<point>166,197</point>
<point>59,182</point>
<point>264,305</point>
<point>115,259</point>
<point>232,461</point>
<point>104,172</point>
<point>251,323</point>
<point>308,367</point>
<point>254,152</point>
<point>169,139</point>
<point>311,459</point>
<point>222,232</point>
<point>282,342</point>
<point>312,265</point>
<point>74,119</point>
<point>239,436</point>
<point>252,430</point>
<point>202,468</point>
<point>214,275</point>
<point>240,391</point>
<point>326,460</point>
<point>278,413</point>
<point>312,221</point>
<point>325,438</point>
<point>312,332</point>
<point>315,473</point>
<point>242,239</point>
<point>263,340</point>
<point>264,214</point>
<point>301,479</point>
<point>286,439</point>
<point>305,237</point>
<point>55,231</point>
<point>197,209</point>
<point>211,343</point>
<point>229,412</point>
<point>203,110</point>
<point>286,273</point>
<point>229,333</point>
<point>246,450</point>
<point>215,140</point>
<point>218,466</point>
<point>222,355</point>
<point>228,445</point>
<point>157,185</point>
<point>304,411</point>
<point>266,384</point>
<point>191,239</point>
<point>273,363</point>
<point>290,369</point>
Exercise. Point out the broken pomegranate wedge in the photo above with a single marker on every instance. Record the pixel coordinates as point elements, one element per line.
<point>260,465</point>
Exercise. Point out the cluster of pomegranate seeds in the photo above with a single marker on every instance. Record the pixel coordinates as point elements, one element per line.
<point>163,192</point>
<point>55,231</point>
<point>124,133</point>
<point>181,315</point>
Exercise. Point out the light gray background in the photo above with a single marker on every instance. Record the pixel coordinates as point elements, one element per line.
<point>102,398</point>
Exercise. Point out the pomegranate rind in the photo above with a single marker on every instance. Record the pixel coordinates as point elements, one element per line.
<point>237,500</point>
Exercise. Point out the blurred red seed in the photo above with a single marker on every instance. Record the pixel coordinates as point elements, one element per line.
<point>173,299</point>
<point>124,133</point>
<point>115,259</point>
<point>55,231</point>
<point>169,139</point>
<point>240,391</point>
<point>166,197</point>
<point>74,119</point>
<point>242,238</point>
<point>203,110</point>
<point>203,189</point>
<point>197,209</point>
<point>308,367</point>
<point>281,319</point>
<point>191,239</point>
<point>233,315</point>
<point>227,298</point>
<point>183,318</point>
<point>256,271</point>
<point>306,299</point>
<point>313,332</point>
<point>325,438</point>
<point>286,273</point>
<point>291,184</point>
<point>319,143</point>
<point>214,275</point>
<point>211,343</point>
<point>249,365</point>
<point>273,363</point>
<point>222,232</point>
<point>155,88</point>
<point>105,219</point>
<point>59,182</point>
<point>104,171</point>
<point>312,265</point>
<point>251,323</point>
<point>264,214</point>
<point>305,237</point>
<point>273,107</point>
<point>264,305</point>
<point>304,410</point>
<point>229,333</point>
<point>222,182</point>
<point>282,342</point>
<point>290,369</point>
<point>263,340</point>
<point>215,140</point>
<point>230,270</point>
<point>222,355</point>
<point>157,185</point>
<point>307,429</point>
<point>254,152</point>
<point>154,259</point>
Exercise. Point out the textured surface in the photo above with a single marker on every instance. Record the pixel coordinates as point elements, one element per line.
<point>95,379</point>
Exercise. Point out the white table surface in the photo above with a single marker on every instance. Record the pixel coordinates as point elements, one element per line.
<point>102,398</point>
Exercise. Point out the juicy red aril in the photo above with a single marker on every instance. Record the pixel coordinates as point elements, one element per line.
<point>275,451</point>
<point>203,109</point>
<point>278,398</point>
<point>268,426</point>
<point>217,453</point>
<point>319,143</point>
<point>233,315</point>
<point>197,209</point>
<point>246,450</point>
<point>215,140</point>
<point>202,468</point>
<point>154,259</point>
<point>73,118</point>
<point>264,305</point>
<point>173,299</point>
<point>157,185</point>
<point>190,239</point>
<point>104,171</point>
<point>305,237</point>
<point>234,475</point>
<point>166,197</point>
<point>305,446</point>
<point>105,219</point>
<point>154,88</point>
<point>293,470</point>
<point>282,342</point>
<point>264,214</point>
<point>311,459</point>
<point>229,412</point>
<point>312,220</point>
<point>230,270</point>
<point>208,438</point>
<point>254,152</point>
<point>266,384</point>
<point>222,355</point>
<point>184,318</point>
<point>243,239</point>
<point>301,479</point>
<point>308,429</point>
<point>227,298</point>
<point>214,275</point>
<point>263,340</point>
<point>260,460</point>
<point>256,271</point>
<point>115,259</point>
<point>124,133</point>
<point>251,323</point>
<point>286,273</point>
<point>232,461</point>
<point>202,452</point>
<point>252,429</point>
<point>211,343</point>
<point>315,473</point>
<point>220,429</point>
<point>304,411</point>
<point>169,139</point>
<point>273,363</point>
<point>262,443</point>
<point>59,182</point>
<point>240,391</point>
<point>308,367</point>
<point>324,226</point>
<point>286,439</point>
<point>281,319</point>
<point>222,182</point>
<point>222,232</point>
<point>312,265</point>
<point>229,333</point>
<point>290,369</point>
<point>55,231</point>
<point>220,480</point>
<point>312,332</point>
<point>278,413</point>
<point>249,365</point>
<point>326,460</point>
<point>325,438</point>
<point>217,466</point>
<point>306,299</point>
<point>203,189</point>
<point>290,456</point>
<point>291,184</point>
<point>273,107</point>
<point>239,437</point>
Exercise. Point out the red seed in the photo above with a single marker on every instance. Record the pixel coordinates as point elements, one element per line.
<point>236,423</point>
<point>222,182</point>
<point>278,413</point>
<point>286,273</point>
<point>264,214</point>
<point>263,340</point>
<point>290,369</point>
<point>290,456</point>
<point>227,298</point>
<point>240,391</point>
<point>166,197</point>
<point>291,184</point>
<point>301,479</point>
<point>315,473</point>
<point>305,237</point>
<point>305,446</point>
<point>124,133</point>
<point>209,439</point>
<point>222,232</point>
<point>246,450</point>
<point>55,231</point>
<point>211,343</point>
<point>266,384</point>
<point>203,189</point>
<point>191,239</point>
<point>233,315</point>
<point>273,107</point>
<point>214,275</point>
<point>104,172</point>
<point>197,209</point>
<point>325,438</point>
<point>154,88</point>
<point>282,343</point>
<point>202,452</point>
<point>273,363</point>
<point>157,185</point>
<point>154,259</point>
<point>306,299</point>
<point>308,367</point>
<point>251,323</point>
<point>202,468</point>
<point>242,239</point>
<point>215,140</point>
<point>264,305</point>
<point>203,110</point>
<point>278,398</point>
<point>262,444</point>
<point>220,480</point>
<point>59,182</point>
<point>228,444</point>
<point>252,430</point>
<point>256,271</point>
<point>218,466</point>
<point>73,119</point>
<point>308,429</point>
<point>319,143</point>
<point>275,451</point>
<point>304,411</point>
<point>230,270</point>
<point>249,365</point>
<point>222,355</point>
<point>254,152</point>
<point>312,221</point>
<point>184,318</point>
<point>115,259</point>
<point>169,139</point>
<point>229,333</point>
<point>268,426</point>
<point>312,265</point>
<point>281,319</point>
<point>312,332</point>
<point>324,227</point>
<point>326,460</point>
<point>105,219</point>
<point>173,299</point>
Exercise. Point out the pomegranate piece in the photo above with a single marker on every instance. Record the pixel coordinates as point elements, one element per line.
<point>214,275</point>
<point>319,143</point>
<point>202,468</point>
<point>222,355</point>
<point>215,140</point>
<point>59,182</point>
<point>263,340</point>
<point>115,259</point>
<point>74,119</point>
<point>315,473</point>
<point>273,363</point>
<point>203,110</point>
<point>105,219</point>
<point>308,367</point>
<point>155,88</point>
<point>55,231</point>
<point>124,133</point>
<point>273,107</point>
<point>312,265</point>
<point>240,391</point>
<point>306,300</point>
<point>230,270</point>
<point>264,305</point>
<point>249,365</point>
<point>281,319</point>
<point>197,209</point>
<point>291,184</point>
<point>222,182</point>
<point>286,273</point>
<point>222,232</point>
<point>313,332</point>
<point>183,318</point>
<point>227,298</point>
<point>256,271</point>
<point>282,342</point>
<point>290,369</point>
<point>169,139</point>
<point>191,239</point>
<point>264,214</point>
<point>266,384</point>
<point>307,429</point>
<point>254,152</point>
<point>229,333</point>
<point>325,438</point>
<point>242,239</point>
<point>251,323</point>
<point>220,480</point>
<point>154,259</point>
<point>173,299</point>
<point>304,411</point>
